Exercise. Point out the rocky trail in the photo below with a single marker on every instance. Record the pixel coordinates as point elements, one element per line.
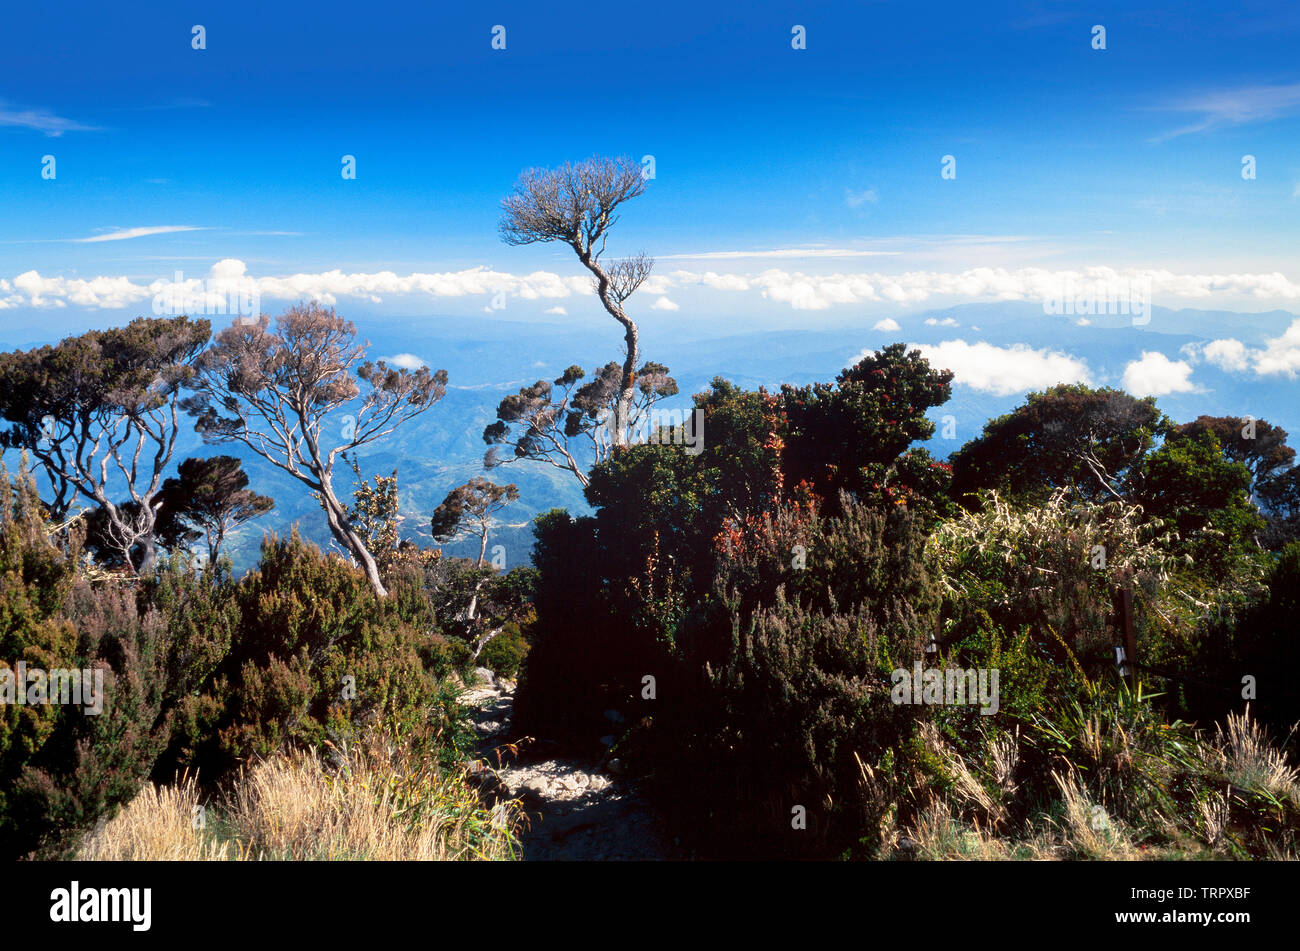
<point>577,811</point>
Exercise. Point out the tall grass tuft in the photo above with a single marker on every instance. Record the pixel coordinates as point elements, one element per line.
<point>378,800</point>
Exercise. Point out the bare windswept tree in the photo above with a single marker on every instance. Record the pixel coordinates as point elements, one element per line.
<point>272,391</point>
<point>576,204</point>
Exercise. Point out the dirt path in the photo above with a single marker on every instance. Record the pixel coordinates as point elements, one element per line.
<point>576,811</point>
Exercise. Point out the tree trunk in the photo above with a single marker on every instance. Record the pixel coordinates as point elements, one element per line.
<point>347,536</point>
<point>149,556</point>
<point>623,407</point>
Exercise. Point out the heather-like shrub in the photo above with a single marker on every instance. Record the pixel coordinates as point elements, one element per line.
<point>505,653</point>
<point>572,666</point>
<point>63,765</point>
<point>782,696</point>
<point>802,702</point>
<point>1219,646</point>
<point>315,654</point>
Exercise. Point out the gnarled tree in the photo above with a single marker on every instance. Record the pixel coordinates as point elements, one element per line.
<point>99,413</point>
<point>576,204</point>
<point>273,389</point>
<point>211,496</point>
<point>574,425</point>
<point>469,509</point>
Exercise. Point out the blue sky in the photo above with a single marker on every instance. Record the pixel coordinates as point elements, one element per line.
<point>799,188</point>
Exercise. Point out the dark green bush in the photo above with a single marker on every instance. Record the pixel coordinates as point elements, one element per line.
<point>505,653</point>
<point>62,767</point>
<point>314,655</point>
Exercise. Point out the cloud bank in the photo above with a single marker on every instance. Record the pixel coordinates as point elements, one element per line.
<point>799,290</point>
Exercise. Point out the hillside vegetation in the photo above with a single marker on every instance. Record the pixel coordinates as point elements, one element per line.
<point>764,620</point>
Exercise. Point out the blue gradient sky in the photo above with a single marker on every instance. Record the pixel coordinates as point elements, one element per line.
<point>1067,157</point>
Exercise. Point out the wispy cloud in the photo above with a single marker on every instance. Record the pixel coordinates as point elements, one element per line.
<point>776,253</point>
<point>858,199</point>
<point>1229,107</point>
<point>125,233</point>
<point>41,120</point>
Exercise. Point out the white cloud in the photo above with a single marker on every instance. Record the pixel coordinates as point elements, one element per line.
<point>946,322</point>
<point>408,361</point>
<point>123,233</point>
<point>1005,370</point>
<point>777,253</point>
<point>655,285</point>
<point>719,282</point>
<point>889,323</point>
<point>1279,355</point>
<point>1228,107</point>
<point>801,291</point>
<point>664,303</point>
<point>1226,354</point>
<point>1154,374</point>
<point>326,287</point>
<point>857,199</point>
<point>557,309</point>
<point>41,120</point>
<point>821,291</point>
<point>110,292</point>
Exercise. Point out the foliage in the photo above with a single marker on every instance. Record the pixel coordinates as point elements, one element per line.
<point>1203,496</point>
<point>1052,568</point>
<point>1068,436</point>
<point>568,425</point>
<point>315,654</point>
<point>850,436</point>
<point>504,654</point>
<point>470,509</point>
<point>210,497</point>
<point>92,408</point>
<point>273,389</point>
<point>62,765</point>
<point>783,687</point>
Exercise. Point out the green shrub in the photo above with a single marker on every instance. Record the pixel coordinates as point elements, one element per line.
<point>62,767</point>
<point>505,653</point>
<point>788,703</point>
<point>314,654</point>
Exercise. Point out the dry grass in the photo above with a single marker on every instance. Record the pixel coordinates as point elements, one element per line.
<point>1251,761</point>
<point>376,802</point>
<point>1087,829</point>
<point>158,824</point>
